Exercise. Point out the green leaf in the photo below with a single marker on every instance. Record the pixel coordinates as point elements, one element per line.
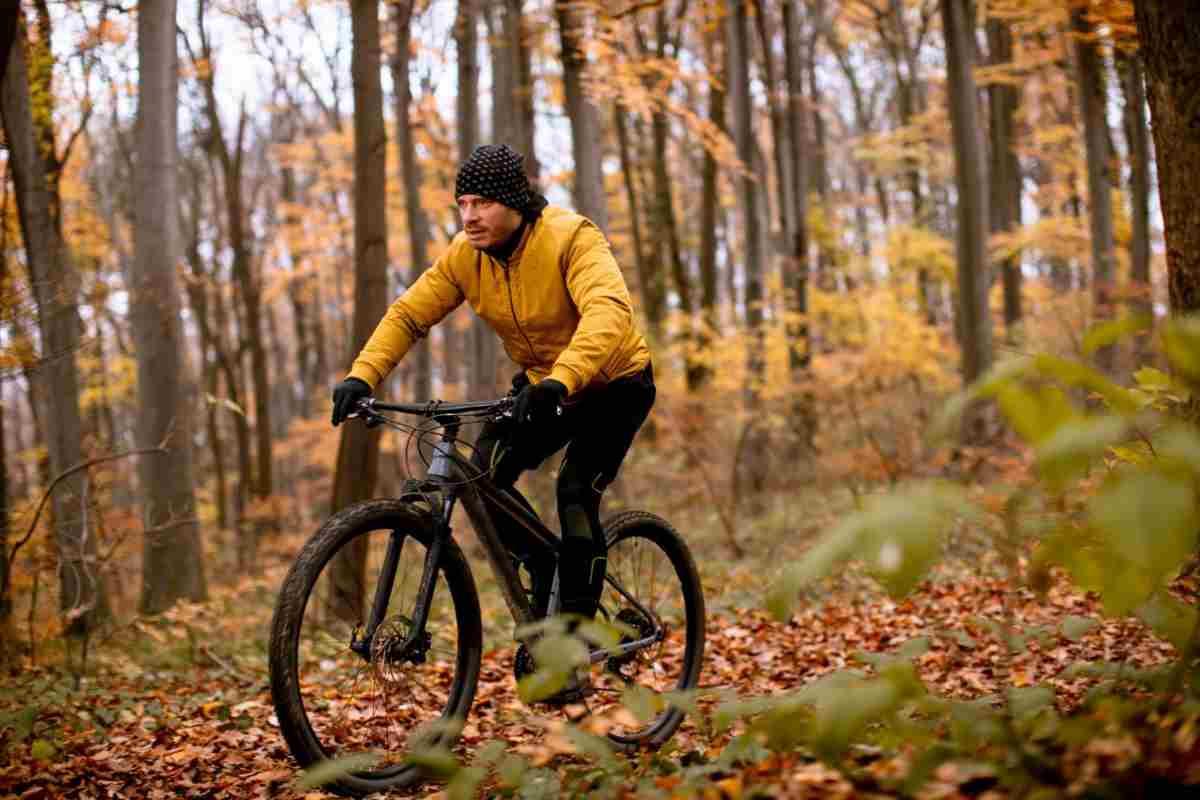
<point>42,750</point>
<point>330,770</point>
<point>21,721</point>
<point>594,747</point>
<point>1035,413</point>
<point>642,702</point>
<point>1181,341</point>
<point>511,769</point>
<point>1180,445</point>
<point>1111,331</point>
<point>1070,451</point>
<point>540,784</point>
<point>914,648</point>
<point>1028,701</point>
<point>436,760</point>
<point>490,754</point>
<point>1074,627</point>
<point>1151,378</point>
<point>1072,373</point>
<point>560,653</point>
<point>1169,618</point>
<point>465,783</point>
<point>1147,518</point>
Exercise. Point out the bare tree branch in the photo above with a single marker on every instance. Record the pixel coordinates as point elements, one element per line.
<point>37,514</point>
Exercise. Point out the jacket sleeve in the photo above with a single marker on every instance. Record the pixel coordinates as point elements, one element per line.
<point>598,290</point>
<point>424,304</point>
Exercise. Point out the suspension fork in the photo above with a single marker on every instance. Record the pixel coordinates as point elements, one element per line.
<point>439,468</point>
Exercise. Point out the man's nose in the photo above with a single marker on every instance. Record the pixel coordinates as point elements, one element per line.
<point>469,213</point>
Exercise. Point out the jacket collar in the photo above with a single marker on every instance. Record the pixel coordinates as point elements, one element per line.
<point>511,250</point>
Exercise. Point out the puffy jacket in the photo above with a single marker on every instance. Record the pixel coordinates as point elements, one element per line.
<point>560,306</point>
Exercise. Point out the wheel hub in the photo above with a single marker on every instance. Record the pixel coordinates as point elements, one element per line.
<point>393,646</point>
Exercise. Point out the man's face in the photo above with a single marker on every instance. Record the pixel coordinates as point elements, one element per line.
<point>487,223</point>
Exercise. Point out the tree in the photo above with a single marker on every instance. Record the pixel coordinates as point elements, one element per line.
<point>231,158</point>
<point>483,343</point>
<point>710,198</point>
<point>1092,95</point>
<point>1005,202</point>
<point>421,359</point>
<point>586,135</point>
<point>1137,140</point>
<point>6,608</point>
<point>172,566</point>
<point>795,278</point>
<point>36,165</point>
<point>974,321</point>
<point>753,439</point>
<point>1169,33</point>
<point>358,447</point>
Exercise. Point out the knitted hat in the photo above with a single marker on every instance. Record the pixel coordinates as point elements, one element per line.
<point>497,172</point>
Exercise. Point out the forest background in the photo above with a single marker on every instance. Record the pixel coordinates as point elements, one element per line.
<point>872,243</point>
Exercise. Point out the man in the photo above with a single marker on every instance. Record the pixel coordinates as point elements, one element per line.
<point>546,282</point>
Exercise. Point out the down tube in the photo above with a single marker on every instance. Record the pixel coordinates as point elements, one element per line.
<point>506,573</point>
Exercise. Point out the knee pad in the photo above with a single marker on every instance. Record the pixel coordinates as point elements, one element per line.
<point>579,506</point>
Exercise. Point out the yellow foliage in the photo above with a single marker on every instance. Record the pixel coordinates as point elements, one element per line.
<point>1058,238</point>
<point>910,248</point>
<point>119,378</point>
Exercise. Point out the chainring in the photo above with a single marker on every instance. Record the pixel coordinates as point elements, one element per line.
<point>639,622</point>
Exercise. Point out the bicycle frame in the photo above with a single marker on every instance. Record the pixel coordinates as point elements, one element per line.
<point>455,479</point>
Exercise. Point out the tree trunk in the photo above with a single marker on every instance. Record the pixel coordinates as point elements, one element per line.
<point>586,136</point>
<point>666,228</point>
<point>7,634</point>
<point>421,356</point>
<point>781,157</point>
<point>230,157</point>
<point>796,276</point>
<point>1005,201</point>
<point>1170,39</point>
<point>710,204</point>
<point>358,447</point>
<point>1092,96</point>
<point>818,181</point>
<point>649,280</point>
<point>512,105</point>
<point>172,559</point>
<point>739,87</point>
<point>973,320</point>
<point>1137,139</point>
<point>484,352</point>
<point>55,283</point>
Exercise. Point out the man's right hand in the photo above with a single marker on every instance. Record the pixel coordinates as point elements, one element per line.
<point>346,396</point>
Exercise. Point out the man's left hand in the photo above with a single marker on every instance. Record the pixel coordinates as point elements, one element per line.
<point>539,402</point>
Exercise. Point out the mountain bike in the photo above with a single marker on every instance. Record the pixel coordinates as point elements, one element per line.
<point>377,640</point>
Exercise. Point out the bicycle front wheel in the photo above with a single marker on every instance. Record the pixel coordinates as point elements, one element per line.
<point>342,690</point>
<point>652,590</point>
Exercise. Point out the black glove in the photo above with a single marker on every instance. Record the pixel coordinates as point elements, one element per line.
<point>519,382</point>
<point>346,396</point>
<point>539,402</point>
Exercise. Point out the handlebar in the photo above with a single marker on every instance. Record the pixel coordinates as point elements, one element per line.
<point>370,407</point>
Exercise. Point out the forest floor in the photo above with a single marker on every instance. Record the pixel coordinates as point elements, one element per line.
<point>207,730</point>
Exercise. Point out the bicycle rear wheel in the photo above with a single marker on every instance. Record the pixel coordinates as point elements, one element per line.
<point>653,585</point>
<point>337,694</point>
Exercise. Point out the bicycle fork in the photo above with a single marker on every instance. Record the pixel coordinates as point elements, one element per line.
<point>417,640</point>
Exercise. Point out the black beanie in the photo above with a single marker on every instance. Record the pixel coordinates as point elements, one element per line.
<point>497,172</point>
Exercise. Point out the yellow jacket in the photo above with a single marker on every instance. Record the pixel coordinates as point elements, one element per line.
<point>560,306</point>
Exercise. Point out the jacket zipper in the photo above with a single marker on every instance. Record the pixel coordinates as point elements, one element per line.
<point>513,308</point>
